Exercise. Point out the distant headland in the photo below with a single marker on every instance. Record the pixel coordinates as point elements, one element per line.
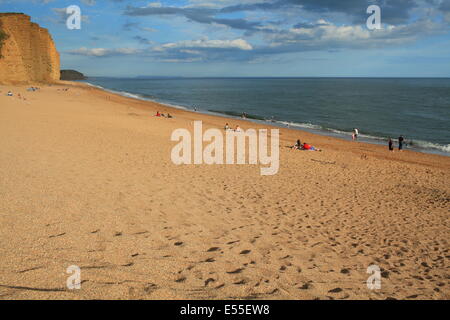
<point>72,75</point>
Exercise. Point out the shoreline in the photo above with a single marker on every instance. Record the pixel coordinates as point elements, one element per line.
<point>287,135</point>
<point>282,124</point>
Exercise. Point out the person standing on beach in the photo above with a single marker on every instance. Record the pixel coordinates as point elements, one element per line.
<point>355,134</point>
<point>400,142</point>
<point>391,144</point>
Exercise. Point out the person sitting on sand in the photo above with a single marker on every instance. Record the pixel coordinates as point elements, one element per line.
<point>238,129</point>
<point>9,94</point>
<point>169,116</point>
<point>158,114</point>
<point>297,145</point>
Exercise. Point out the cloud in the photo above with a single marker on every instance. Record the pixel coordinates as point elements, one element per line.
<point>199,15</point>
<point>88,2</point>
<point>394,12</point>
<point>320,25</point>
<point>102,52</point>
<point>237,44</point>
<point>143,40</point>
<point>204,50</point>
<point>329,36</point>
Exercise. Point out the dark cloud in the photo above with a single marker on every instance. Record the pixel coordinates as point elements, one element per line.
<point>311,25</point>
<point>128,26</point>
<point>445,6</point>
<point>319,35</point>
<point>199,15</point>
<point>393,11</point>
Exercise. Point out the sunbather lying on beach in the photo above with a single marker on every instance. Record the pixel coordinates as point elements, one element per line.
<point>309,147</point>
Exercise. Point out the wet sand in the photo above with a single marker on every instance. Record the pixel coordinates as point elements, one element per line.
<point>86,179</point>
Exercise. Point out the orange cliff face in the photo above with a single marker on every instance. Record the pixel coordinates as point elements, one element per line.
<point>28,54</point>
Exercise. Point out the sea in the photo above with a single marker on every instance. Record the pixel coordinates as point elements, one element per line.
<point>417,108</point>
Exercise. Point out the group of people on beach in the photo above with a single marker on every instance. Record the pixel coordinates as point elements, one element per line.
<point>158,114</point>
<point>305,146</point>
<point>10,94</point>
<point>401,141</point>
<point>227,128</point>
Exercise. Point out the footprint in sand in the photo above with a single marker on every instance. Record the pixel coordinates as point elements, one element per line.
<point>305,286</point>
<point>245,251</point>
<point>57,235</point>
<point>243,281</point>
<point>238,270</point>
<point>207,281</point>
<point>212,249</point>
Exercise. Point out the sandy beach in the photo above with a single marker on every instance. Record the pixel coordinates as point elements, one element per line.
<point>86,179</point>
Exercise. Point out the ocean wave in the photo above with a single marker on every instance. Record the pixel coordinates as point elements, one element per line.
<point>420,144</point>
<point>122,93</point>
<point>239,115</point>
<point>301,125</point>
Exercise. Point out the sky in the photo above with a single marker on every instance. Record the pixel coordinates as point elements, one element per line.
<point>248,38</point>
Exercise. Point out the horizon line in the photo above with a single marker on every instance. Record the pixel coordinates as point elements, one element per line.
<point>271,77</point>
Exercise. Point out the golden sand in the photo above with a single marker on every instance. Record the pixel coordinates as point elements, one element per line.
<point>86,179</point>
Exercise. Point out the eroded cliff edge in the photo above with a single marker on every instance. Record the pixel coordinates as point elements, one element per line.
<point>28,54</point>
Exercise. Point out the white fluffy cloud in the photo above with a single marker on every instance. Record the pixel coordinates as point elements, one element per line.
<point>103,52</point>
<point>237,44</point>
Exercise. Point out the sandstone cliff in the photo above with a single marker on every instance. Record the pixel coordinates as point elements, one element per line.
<point>28,54</point>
